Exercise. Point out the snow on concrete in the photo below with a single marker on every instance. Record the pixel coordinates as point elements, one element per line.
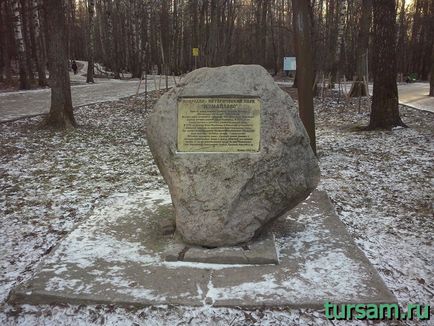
<point>311,281</point>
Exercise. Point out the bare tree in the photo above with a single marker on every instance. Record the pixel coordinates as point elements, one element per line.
<point>303,31</point>
<point>61,115</point>
<point>136,34</point>
<point>359,86</point>
<point>37,46</point>
<point>384,108</point>
<point>20,44</point>
<point>91,41</point>
<point>26,23</point>
<point>113,47</point>
<point>341,9</point>
<point>5,47</point>
<point>431,81</point>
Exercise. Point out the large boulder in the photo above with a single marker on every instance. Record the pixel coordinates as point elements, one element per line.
<point>226,198</point>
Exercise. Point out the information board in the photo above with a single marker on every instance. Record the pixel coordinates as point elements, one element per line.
<point>289,64</point>
<point>219,124</point>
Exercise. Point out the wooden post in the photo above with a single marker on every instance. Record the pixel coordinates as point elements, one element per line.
<point>138,86</point>
<point>155,79</point>
<point>146,91</point>
<point>159,81</point>
<point>167,78</point>
<point>345,87</point>
<point>367,71</point>
<point>367,86</point>
<point>323,85</point>
<point>314,83</point>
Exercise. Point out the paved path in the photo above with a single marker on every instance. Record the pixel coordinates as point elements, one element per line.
<point>414,95</point>
<point>15,105</point>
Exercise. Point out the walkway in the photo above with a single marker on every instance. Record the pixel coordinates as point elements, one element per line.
<point>20,104</point>
<point>414,95</point>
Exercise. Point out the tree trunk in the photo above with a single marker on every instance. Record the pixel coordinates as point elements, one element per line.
<point>112,46</point>
<point>384,108</point>
<point>164,33</point>
<point>273,42</point>
<point>61,115</point>
<point>431,81</point>
<point>402,38</point>
<point>27,42</point>
<point>101,34</point>
<point>19,40</point>
<point>4,39</point>
<point>195,36</point>
<point>359,86</point>
<point>330,27</point>
<point>302,28</point>
<point>91,44</point>
<point>37,44</point>
<point>341,7</point>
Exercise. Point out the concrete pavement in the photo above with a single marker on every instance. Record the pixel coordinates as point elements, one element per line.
<point>116,256</point>
<point>20,104</point>
<point>414,95</point>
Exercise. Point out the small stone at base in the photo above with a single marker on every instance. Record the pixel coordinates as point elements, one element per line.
<point>261,251</point>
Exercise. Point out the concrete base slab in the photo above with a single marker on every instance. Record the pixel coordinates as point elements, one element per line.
<point>260,251</point>
<point>117,257</point>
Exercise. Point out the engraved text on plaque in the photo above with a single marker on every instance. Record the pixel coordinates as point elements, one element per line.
<point>215,124</point>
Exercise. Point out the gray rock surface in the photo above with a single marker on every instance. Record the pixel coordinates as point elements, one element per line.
<point>223,199</point>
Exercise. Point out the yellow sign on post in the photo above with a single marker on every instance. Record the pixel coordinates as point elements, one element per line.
<point>219,124</point>
<point>195,52</point>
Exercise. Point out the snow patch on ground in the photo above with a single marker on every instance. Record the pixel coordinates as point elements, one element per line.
<point>109,250</point>
<point>310,282</point>
<point>381,184</point>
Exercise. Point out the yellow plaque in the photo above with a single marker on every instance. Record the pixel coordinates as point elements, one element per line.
<point>195,52</point>
<point>219,124</point>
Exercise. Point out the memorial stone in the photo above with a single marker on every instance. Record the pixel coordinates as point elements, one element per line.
<point>233,151</point>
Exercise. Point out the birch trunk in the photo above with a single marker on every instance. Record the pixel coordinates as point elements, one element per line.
<point>341,7</point>
<point>37,44</point>
<point>19,41</point>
